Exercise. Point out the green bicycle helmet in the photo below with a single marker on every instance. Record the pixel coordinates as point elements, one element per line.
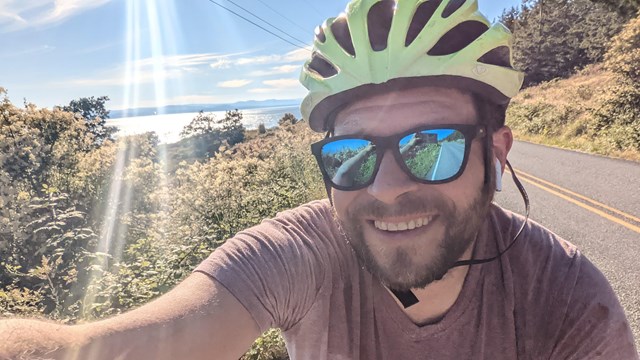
<point>381,45</point>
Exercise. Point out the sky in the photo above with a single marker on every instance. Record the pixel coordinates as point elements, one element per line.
<point>146,53</point>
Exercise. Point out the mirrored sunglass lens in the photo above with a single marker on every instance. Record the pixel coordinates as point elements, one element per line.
<point>349,162</point>
<point>434,155</point>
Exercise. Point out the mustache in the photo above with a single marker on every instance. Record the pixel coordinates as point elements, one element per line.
<point>406,205</point>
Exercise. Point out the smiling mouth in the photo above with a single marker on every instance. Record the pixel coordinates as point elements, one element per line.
<point>403,226</point>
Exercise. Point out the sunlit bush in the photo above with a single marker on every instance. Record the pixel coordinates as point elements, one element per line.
<point>624,55</point>
<point>91,231</point>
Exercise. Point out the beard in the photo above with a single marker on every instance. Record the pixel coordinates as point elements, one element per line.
<point>415,266</point>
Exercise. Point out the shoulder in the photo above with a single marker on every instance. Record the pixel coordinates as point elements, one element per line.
<point>538,251</point>
<point>567,304</point>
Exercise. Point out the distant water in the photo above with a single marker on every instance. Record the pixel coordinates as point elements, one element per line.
<point>169,126</point>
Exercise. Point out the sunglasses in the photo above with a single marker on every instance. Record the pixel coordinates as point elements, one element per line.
<point>429,155</point>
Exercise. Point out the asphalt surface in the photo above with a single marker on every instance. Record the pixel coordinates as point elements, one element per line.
<point>613,247</point>
<point>451,156</point>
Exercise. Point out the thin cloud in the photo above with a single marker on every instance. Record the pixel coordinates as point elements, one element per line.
<point>278,86</point>
<point>277,70</point>
<point>295,56</point>
<point>20,14</point>
<point>265,59</point>
<point>117,77</point>
<point>298,55</point>
<point>144,71</point>
<point>282,83</point>
<point>234,83</point>
<point>221,64</point>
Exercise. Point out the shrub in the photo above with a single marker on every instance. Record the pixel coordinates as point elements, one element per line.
<point>624,55</point>
<point>269,346</point>
<point>541,118</point>
<point>288,119</point>
<point>617,119</point>
<point>262,129</point>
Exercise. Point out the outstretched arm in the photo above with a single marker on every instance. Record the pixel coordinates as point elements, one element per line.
<point>199,319</point>
<point>349,169</point>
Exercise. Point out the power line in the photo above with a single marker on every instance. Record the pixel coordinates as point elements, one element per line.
<point>282,16</point>
<point>258,25</point>
<point>266,22</point>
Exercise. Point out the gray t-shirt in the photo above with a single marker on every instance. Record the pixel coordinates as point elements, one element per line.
<point>541,300</point>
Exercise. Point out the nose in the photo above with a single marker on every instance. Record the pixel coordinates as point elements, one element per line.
<point>391,181</point>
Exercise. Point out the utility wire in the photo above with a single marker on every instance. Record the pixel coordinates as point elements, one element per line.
<point>258,25</point>
<point>282,16</point>
<point>266,22</point>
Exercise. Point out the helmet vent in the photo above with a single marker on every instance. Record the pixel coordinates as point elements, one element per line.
<point>320,36</point>
<point>340,30</point>
<point>379,23</point>
<point>452,7</point>
<point>500,56</point>
<point>322,66</point>
<point>458,38</point>
<point>420,19</point>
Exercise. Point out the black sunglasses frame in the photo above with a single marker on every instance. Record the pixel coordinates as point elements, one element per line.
<point>392,142</point>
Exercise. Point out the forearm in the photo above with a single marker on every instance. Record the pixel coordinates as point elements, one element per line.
<point>26,339</point>
<point>105,340</point>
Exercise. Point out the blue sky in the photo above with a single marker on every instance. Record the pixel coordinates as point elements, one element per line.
<point>144,53</point>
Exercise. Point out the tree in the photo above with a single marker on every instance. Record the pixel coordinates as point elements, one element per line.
<point>626,8</point>
<point>554,38</point>
<point>232,127</point>
<point>288,119</point>
<point>94,112</point>
<point>624,56</point>
<point>200,125</point>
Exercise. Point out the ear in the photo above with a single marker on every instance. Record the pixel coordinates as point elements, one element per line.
<point>502,142</point>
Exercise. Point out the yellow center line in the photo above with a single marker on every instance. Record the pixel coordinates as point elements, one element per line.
<point>629,216</point>
<point>582,205</point>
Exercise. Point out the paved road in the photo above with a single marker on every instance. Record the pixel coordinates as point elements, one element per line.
<point>608,243</point>
<point>449,159</point>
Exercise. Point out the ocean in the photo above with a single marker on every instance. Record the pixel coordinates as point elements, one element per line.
<point>169,126</point>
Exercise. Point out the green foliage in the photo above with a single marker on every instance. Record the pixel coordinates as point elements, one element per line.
<point>626,8</point>
<point>623,58</point>
<point>287,119</point>
<point>422,162</point>
<point>95,113</point>
<point>91,231</point>
<point>229,129</point>
<point>540,118</point>
<point>269,346</point>
<point>201,124</point>
<point>47,248</point>
<point>617,119</point>
<point>554,38</point>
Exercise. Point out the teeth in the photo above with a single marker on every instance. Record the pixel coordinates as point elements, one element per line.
<point>413,224</point>
<point>381,225</point>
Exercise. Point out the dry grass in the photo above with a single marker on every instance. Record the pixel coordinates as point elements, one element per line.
<point>559,113</point>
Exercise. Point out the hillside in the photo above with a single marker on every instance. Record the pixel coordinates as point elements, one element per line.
<point>566,113</point>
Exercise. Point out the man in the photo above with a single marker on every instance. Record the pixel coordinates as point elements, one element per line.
<point>408,259</point>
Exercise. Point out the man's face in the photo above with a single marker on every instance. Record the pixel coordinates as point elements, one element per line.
<point>450,213</point>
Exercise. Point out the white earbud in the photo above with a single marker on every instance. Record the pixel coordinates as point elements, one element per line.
<point>498,175</point>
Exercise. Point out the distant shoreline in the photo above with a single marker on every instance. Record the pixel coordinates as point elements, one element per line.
<point>195,108</point>
<point>169,126</point>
